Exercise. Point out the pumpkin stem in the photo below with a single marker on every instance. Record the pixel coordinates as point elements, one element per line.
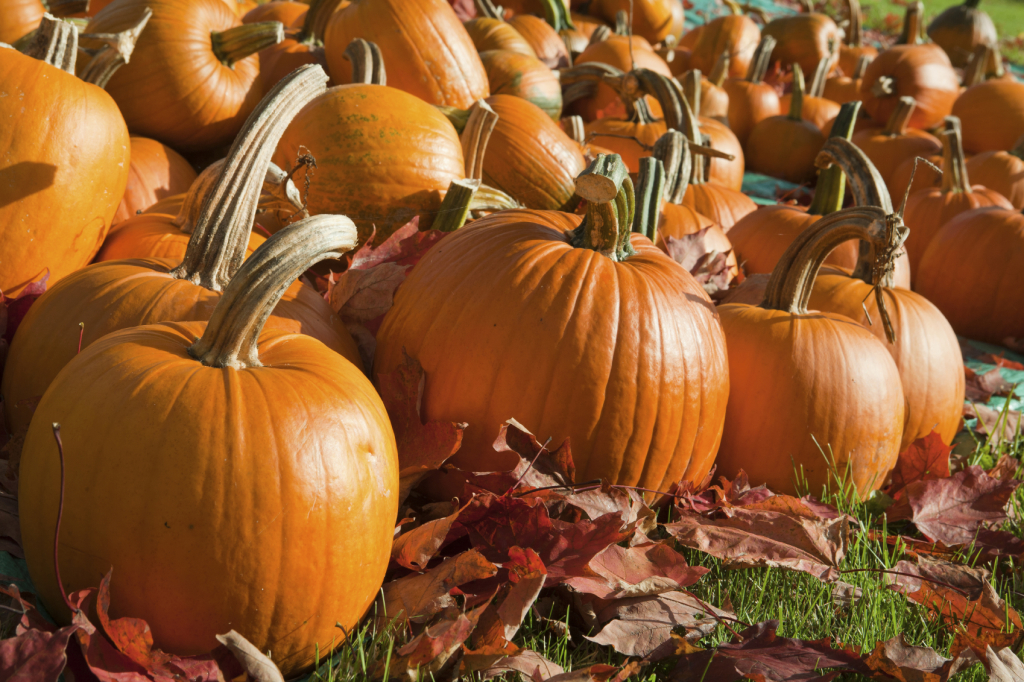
<point>56,43</point>
<point>600,34</point>
<point>789,287</point>
<point>721,69</point>
<point>581,81</point>
<point>622,23</point>
<point>489,198</point>
<point>831,185</point>
<point>315,24</point>
<point>673,151</point>
<point>239,42</point>
<point>488,9</point>
<point>761,60</point>
<point>457,117</point>
<point>650,192</point>
<point>692,90</point>
<point>116,52</point>
<point>817,88</point>
<point>65,8</point>
<point>606,187</point>
<point>796,102</point>
<point>278,191</point>
<point>557,15</point>
<point>900,118</point>
<point>986,62</point>
<point>912,28</point>
<point>455,208</point>
<point>221,234</point>
<point>854,33</point>
<point>475,136</point>
<point>954,165</point>
<point>367,62</point>
<point>862,66</point>
<point>232,334</point>
<point>574,127</point>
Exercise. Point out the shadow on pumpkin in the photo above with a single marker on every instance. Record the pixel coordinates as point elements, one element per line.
<point>23,180</point>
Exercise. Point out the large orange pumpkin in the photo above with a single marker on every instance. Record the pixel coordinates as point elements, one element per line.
<point>610,321</point>
<point>837,405</point>
<point>66,158</point>
<point>192,79</point>
<point>106,297</point>
<point>493,33</point>
<point>890,146</point>
<point>751,100</point>
<point>156,171</point>
<point>20,17</point>
<point>992,113</point>
<point>438,61</point>
<point>219,471</point>
<point>929,209</point>
<point>1001,171</point>
<point>652,19</point>
<point>804,39</point>
<point>919,71</point>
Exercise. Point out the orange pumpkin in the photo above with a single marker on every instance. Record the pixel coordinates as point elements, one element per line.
<point>156,171</point>
<point>751,100</point>
<point>928,210</point>
<point>843,89</point>
<point>237,483</point>
<point>785,146</point>
<point>615,52</point>
<point>529,156</point>
<point>1001,171</point>
<point>652,19</point>
<point>993,115</point>
<point>303,42</point>
<point>912,175</point>
<point>815,108</point>
<point>961,28</point>
<point>971,272</point>
<point>291,14</point>
<point>106,297</point>
<point>530,266</point>
<point>726,172</point>
<point>890,146</point>
<point>20,17</point>
<point>735,35</point>
<point>438,60</point>
<point>816,370</point>
<point>66,159</point>
<point>714,100</point>
<point>519,75</point>
<point>922,72</point>
<point>190,82</point>
<point>545,40</point>
<point>853,50</point>
<point>496,34</point>
<point>804,39</point>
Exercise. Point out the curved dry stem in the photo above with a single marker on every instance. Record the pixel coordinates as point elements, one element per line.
<point>861,67</point>
<point>486,8</point>
<point>912,25</point>
<point>600,34</point>
<point>218,243</point>
<point>817,88</point>
<point>673,150</point>
<point>56,43</point>
<point>489,198</point>
<point>692,87</point>
<point>721,68</point>
<point>278,193</point>
<point>900,118</point>
<point>866,183</point>
<point>854,32</point>
<point>317,16</point>
<point>232,334</point>
<point>367,62</point>
<point>116,51</point>
<point>761,60</point>
<point>238,42</point>
<point>574,127</point>
<point>475,136</point>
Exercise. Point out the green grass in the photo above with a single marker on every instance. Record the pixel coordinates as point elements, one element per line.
<point>802,604</point>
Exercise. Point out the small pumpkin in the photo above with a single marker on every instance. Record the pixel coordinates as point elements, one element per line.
<point>751,100</point>
<point>992,113</point>
<point>494,33</point>
<point>890,146</point>
<point>735,35</point>
<point>529,266</point>
<point>545,36</point>
<point>853,50</point>
<point>928,210</point>
<point>519,75</point>
<point>651,19</point>
<point>961,28</point>
<point>815,108</point>
<point>1001,171</point>
<point>843,89</point>
<point>263,449</point>
<point>714,100</point>
<point>156,171</point>
<point>605,101</point>
<point>804,39</point>
<point>785,146</point>
<point>302,44</point>
<point>815,369</point>
<point>20,17</point>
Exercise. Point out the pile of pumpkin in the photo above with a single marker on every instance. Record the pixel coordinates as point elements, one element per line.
<point>218,440</point>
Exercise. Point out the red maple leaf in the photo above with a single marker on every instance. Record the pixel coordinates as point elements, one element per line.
<point>925,459</point>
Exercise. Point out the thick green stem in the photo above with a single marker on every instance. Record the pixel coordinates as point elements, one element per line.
<point>116,51</point>
<point>761,60</point>
<point>900,118</point>
<point>912,32</point>
<point>221,232</point>
<point>239,42</point>
<point>367,62</point>
<point>954,165</point>
<point>457,117</point>
<point>557,14</point>
<point>455,208</point>
<point>831,185</point>
<point>475,136</point>
<point>232,334</point>
<point>56,44</point>
<point>673,150</point>
<point>650,190</point>
<point>796,101</point>
<point>817,88</point>
<point>608,191</point>
<point>489,198</point>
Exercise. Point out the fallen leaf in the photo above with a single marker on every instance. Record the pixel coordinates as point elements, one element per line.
<point>431,651</point>
<point>845,595</point>
<point>925,459</point>
<point>538,467</point>
<point>255,662</point>
<point>528,662</point>
<point>999,425</point>
<point>981,387</point>
<point>416,548</point>
<point>476,660</point>
<point>643,626</point>
<point>608,500</point>
<point>35,655</point>
<point>406,246</point>
<point>708,266</point>
<point>1005,469</point>
<point>422,448</point>
<point>906,663</point>
<point>420,596</point>
<point>637,571</point>
<point>1004,666</point>
<point>16,308</point>
<point>599,672</point>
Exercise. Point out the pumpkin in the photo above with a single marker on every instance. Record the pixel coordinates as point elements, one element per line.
<point>66,159</point>
<point>156,171</point>
<point>961,28</point>
<point>303,43</point>
<point>785,146</point>
<point>21,17</point>
<point>546,42</point>
<point>494,33</point>
<point>291,14</point>
<point>985,64</point>
<point>529,156</point>
<point>726,172</point>
<point>971,272</point>
<point>804,39</point>
<point>837,405</point>
<point>815,108</point>
<point>651,19</point>
<point>190,82</point>
<point>714,100</point>
<point>383,155</point>
<point>843,89</point>
<point>262,450</point>
<point>1001,171</point>
<point>439,62</point>
<point>853,50</point>
<point>615,52</point>
<point>992,114</point>
<point>735,35</point>
<point>519,75</point>
<point>751,100</point>
<point>928,210</point>
<point>912,175</point>
<point>888,147</point>
<point>653,348</point>
<point>922,72</point>
<point>106,297</point>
